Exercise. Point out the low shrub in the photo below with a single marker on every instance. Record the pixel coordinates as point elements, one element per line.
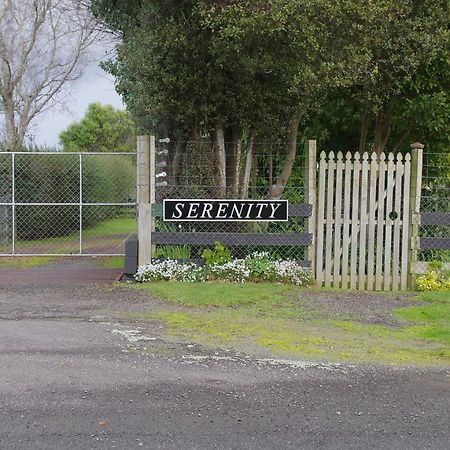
<point>437,278</point>
<point>219,255</point>
<point>173,252</point>
<point>170,269</point>
<point>255,267</point>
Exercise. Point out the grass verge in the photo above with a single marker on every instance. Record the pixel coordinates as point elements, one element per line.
<point>25,262</point>
<point>108,232</point>
<point>268,320</point>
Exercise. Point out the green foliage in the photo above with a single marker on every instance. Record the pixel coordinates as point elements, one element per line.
<point>251,63</point>
<point>436,278</point>
<point>260,265</point>
<point>102,129</point>
<point>219,255</point>
<point>186,68</point>
<point>173,252</point>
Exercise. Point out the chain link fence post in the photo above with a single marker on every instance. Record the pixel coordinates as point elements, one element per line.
<point>144,206</point>
<point>310,198</point>
<point>415,195</point>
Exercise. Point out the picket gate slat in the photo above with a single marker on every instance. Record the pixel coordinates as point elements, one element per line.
<point>363,222</point>
<point>346,225</point>
<point>320,219</point>
<point>381,215</point>
<point>405,227</point>
<point>372,221</point>
<point>338,222</point>
<point>388,226</point>
<point>355,222</point>
<point>329,220</point>
<point>397,219</point>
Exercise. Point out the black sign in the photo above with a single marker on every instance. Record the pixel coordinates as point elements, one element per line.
<point>183,210</point>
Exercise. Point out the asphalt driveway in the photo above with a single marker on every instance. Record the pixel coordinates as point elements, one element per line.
<point>72,378</point>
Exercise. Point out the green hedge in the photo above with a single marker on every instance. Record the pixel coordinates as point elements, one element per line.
<point>55,179</point>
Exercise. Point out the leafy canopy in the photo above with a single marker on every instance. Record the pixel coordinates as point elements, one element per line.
<point>102,129</point>
<point>257,64</point>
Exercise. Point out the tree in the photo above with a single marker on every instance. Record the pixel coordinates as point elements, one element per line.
<point>102,129</point>
<point>43,45</point>
<point>405,40</point>
<point>420,113</point>
<point>222,71</point>
<point>227,71</point>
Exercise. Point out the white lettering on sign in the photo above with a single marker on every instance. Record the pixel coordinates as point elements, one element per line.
<point>207,210</point>
<point>274,209</point>
<point>178,207</point>
<point>237,211</point>
<point>225,210</point>
<point>221,214</point>
<point>193,210</point>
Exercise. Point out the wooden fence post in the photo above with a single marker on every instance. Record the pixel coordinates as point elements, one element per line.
<point>310,197</point>
<point>144,200</point>
<point>415,194</point>
<point>152,187</point>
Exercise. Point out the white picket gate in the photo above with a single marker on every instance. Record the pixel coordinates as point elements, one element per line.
<point>363,220</point>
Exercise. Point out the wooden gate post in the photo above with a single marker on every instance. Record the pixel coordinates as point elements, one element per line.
<point>415,193</point>
<point>144,206</point>
<point>152,173</point>
<point>310,197</point>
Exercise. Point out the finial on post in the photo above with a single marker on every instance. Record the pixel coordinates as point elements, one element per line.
<point>417,145</point>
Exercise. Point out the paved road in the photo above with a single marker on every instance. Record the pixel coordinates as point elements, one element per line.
<point>68,380</point>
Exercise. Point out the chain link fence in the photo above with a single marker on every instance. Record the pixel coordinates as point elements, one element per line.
<point>61,204</point>
<point>435,228</point>
<point>84,203</point>
<point>192,175</point>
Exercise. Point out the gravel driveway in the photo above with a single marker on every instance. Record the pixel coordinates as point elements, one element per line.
<point>71,378</point>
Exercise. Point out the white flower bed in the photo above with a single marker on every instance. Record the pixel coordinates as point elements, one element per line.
<point>255,267</point>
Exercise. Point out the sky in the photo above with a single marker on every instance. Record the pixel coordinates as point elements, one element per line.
<point>94,86</point>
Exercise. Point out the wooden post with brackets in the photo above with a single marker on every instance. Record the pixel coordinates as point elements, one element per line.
<point>145,194</point>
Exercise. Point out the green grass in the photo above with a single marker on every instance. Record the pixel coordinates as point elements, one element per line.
<point>265,319</point>
<point>432,320</point>
<point>25,262</point>
<point>217,294</point>
<point>103,231</point>
<point>119,225</point>
<point>111,262</point>
<point>30,262</point>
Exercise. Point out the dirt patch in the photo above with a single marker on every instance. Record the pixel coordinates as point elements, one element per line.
<point>364,307</point>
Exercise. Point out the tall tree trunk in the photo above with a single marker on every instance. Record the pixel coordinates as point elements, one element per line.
<point>245,178</point>
<point>270,175</point>
<point>276,190</point>
<point>237,168</point>
<point>400,141</point>
<point>196,132</point>
<point>235,160</point>
<point>221,162</point>
<point>12,138</point>
<point>254,175</point>
<point>180,149</point>
<point>364,131</point>
<point>382,129</point>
